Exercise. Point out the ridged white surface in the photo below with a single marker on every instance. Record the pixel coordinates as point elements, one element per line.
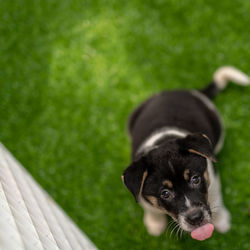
<point>29,218</point>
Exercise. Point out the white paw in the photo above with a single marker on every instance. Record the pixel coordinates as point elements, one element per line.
<point>155,224</point>
<point>222,221</point>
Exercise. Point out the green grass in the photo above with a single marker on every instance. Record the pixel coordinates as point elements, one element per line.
<point>71,72</point>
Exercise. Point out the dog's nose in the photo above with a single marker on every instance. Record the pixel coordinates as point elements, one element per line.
<point>195,217</point>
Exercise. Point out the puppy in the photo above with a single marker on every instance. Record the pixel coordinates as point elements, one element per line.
<point>175,136</point>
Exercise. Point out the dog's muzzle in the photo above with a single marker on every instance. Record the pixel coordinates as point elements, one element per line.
<point>194,217</point>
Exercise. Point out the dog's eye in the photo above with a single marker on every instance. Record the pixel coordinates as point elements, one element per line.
<point>166,194</point>
<point>195,180</point>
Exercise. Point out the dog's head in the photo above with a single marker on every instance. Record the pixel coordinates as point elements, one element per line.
<point>173,177</point>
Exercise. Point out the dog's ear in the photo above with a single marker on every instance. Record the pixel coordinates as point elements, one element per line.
<point>134,176</point>
<point>198,144</point>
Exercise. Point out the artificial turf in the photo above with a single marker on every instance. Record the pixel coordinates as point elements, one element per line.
<point>71,72</point>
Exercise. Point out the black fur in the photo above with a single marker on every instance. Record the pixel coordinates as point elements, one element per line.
<point>211,91</point>
<point>159,170</point>
<point>175,152</point>
<point>178,109</point>
<point>173,158</point>
<point>132,176</point>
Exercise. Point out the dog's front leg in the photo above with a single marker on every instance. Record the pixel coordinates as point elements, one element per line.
<point>154,219</point>
<point>154,222</point>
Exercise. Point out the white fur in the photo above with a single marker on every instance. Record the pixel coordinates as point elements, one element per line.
<point>154,219</point>
<point>155,223</point>
<point>152,139</point>
<point>187,202</point>
<point>220,215</point>
<point>228,73</point>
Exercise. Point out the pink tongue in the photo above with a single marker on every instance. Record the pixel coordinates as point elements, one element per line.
<point>203,232</point>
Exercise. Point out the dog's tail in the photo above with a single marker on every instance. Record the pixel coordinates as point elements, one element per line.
<point>221,77</point>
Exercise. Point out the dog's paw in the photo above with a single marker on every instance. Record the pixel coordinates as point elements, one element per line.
<point>222,222</point>
<point>155,224</point>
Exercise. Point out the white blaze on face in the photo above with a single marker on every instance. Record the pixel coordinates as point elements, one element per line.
<point>187,202</point>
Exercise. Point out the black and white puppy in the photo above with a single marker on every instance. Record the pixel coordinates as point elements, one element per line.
<point>175,136</point>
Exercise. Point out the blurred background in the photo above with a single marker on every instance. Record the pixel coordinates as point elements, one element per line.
<point>72,71</point>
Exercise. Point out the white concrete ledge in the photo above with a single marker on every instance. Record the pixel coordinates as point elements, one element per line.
<point>29,218</point>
